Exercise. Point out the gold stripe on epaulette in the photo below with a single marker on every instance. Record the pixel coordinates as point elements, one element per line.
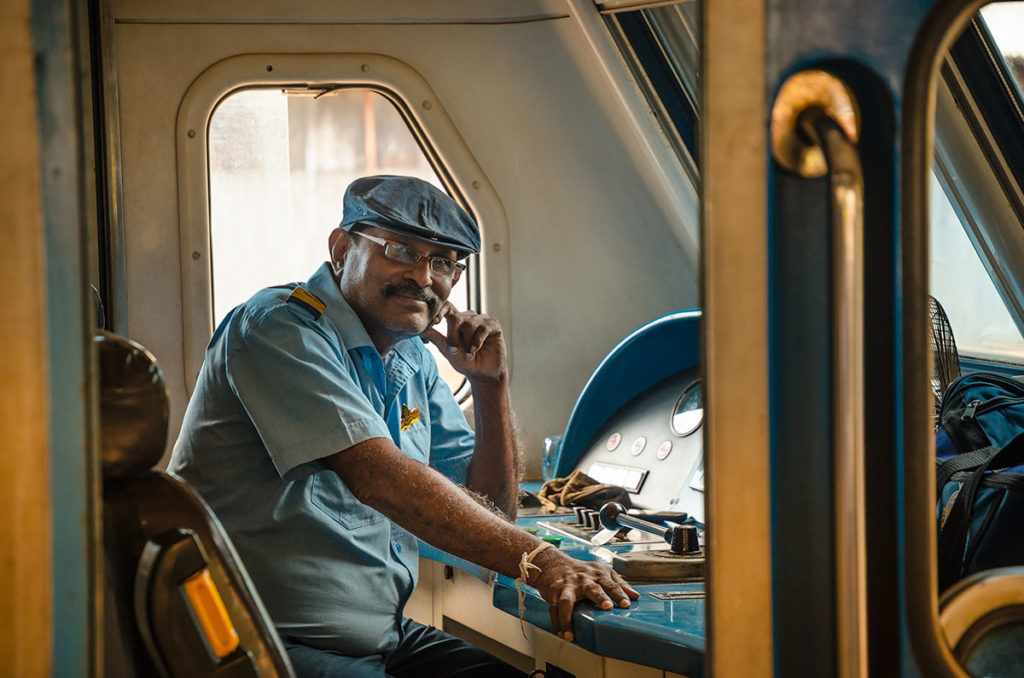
<point>301,296</point>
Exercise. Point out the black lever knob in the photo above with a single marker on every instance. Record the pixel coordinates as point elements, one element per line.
<point>680,538</point>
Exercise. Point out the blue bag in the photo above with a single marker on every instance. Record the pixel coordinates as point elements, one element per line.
<point>980,476</point>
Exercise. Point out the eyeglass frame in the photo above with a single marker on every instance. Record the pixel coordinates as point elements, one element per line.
<point>457,267</point>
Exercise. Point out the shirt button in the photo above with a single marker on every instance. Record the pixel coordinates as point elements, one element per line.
<point>398,547</point>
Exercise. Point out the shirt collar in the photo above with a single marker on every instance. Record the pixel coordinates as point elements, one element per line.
<point>349,326</point>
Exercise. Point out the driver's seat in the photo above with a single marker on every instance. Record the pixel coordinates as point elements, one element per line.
<point>178,601</point>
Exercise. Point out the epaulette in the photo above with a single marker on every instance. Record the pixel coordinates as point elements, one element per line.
<point>302,297</point>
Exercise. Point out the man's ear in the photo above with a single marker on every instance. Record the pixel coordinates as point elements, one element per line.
<point>338,243</point>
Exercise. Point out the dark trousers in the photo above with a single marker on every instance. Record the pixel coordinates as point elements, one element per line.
<point>422,652</point>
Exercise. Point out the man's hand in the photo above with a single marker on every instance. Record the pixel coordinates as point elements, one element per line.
<point>564,581</point>
<point>474,345</point>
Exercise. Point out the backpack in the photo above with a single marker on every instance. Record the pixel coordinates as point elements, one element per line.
<point>980,476</point>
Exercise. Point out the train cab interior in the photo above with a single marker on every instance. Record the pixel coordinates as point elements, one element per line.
<point>739,251</point>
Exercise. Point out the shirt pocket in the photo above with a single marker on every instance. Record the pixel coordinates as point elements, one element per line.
<point>330,495</point>
<point>416,442</point>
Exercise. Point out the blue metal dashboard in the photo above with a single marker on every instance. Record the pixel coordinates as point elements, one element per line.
<point>629,396</point>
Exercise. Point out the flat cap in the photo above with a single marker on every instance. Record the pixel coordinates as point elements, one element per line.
<point>411,206</point>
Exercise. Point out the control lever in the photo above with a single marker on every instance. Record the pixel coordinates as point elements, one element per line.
<point>680,538</point>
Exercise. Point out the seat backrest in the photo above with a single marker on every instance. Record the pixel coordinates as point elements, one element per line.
<point>178,601</point>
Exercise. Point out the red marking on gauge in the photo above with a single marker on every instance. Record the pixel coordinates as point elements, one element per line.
<point>664,449</point>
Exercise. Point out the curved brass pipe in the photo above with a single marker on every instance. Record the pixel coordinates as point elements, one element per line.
<point>814,127</point>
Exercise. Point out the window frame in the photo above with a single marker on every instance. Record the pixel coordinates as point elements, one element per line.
<point>428,122</point>
<point>922,137</point>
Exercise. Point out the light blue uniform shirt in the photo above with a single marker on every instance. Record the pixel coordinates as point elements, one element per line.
<point>281,389</point>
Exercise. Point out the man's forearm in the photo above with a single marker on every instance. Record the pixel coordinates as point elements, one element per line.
<point>494,471</point>
<point>430,506</point>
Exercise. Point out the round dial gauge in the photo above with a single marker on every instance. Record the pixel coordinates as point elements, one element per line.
<point>688,414</point>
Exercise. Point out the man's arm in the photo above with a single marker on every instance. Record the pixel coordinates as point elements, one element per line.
<point>475,348</point>
<point>434,509</point>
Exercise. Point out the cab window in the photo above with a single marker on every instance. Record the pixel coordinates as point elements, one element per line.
<point>279,163</point>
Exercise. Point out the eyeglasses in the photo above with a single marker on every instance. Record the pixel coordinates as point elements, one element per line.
<point>406,254</point>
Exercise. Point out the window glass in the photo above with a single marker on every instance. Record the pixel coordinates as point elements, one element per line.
<point>279,166</point>
<point>661,47</point>
<point>981,324</point>
<point>1005,22</point>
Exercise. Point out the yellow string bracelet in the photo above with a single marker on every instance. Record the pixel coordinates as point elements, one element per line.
<point>525,565</point>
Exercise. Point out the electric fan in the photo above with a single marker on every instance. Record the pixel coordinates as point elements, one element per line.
<point>945,359</point>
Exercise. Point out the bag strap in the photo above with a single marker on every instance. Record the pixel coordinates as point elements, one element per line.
<point>962,462</point>
<point>953,537</point>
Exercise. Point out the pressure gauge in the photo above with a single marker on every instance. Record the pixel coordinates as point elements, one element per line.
<point>688,414</point>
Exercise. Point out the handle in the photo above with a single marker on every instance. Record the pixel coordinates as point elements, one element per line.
<point>814,129</point>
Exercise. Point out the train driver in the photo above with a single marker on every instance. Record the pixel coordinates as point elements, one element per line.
<point>322,436</point>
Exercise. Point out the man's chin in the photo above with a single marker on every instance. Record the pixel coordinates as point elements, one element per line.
<point>410,326</point>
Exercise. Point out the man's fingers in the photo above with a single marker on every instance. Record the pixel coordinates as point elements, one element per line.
<point>435,338</point>
<point>596,593</point>
<point>482,334</point>
<point>619,590</point>
<point>566,601</point>
<point>454,327</point>
<point>597,583</point>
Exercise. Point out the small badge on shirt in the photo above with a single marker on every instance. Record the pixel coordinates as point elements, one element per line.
<point>303,298</point>
<point>409,417</point>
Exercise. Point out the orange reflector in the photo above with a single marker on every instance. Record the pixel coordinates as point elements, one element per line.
<point>210,611</point>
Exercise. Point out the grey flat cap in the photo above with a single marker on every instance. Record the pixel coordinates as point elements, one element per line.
<point>411,206</point>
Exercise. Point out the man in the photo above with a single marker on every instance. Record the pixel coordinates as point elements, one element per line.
<point>324,439</point>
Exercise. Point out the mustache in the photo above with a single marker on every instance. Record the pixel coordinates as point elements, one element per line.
<point>407,290</point>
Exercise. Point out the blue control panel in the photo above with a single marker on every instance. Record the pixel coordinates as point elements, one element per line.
<point>637,424</point>
<point>664,628</point>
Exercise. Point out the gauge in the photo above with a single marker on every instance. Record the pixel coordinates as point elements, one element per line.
<point>688,414</point>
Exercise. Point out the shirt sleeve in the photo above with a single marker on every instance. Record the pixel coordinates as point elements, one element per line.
<point>451,438</point>
<point>299,391</point>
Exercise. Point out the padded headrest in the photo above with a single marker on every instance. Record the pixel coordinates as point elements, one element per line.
<point>133,407</point>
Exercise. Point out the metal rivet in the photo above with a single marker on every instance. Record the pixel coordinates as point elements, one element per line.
<point>269,68</point>
<point>427,105</point>
<point>496,247</point>
<point>476,184</point>
<point>195,256</point>
<point>365,68</point>
<point>191,134</point>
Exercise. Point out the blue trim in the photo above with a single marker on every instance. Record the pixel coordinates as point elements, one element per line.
<point>434,553</point>
<point>68,309</point>
<point>650,354</point>
<point>981,365</point>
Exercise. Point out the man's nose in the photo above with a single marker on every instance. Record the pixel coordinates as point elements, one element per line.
<point>420,272</point>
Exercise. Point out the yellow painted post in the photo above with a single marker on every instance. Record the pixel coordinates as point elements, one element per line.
<point>25,543</point>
